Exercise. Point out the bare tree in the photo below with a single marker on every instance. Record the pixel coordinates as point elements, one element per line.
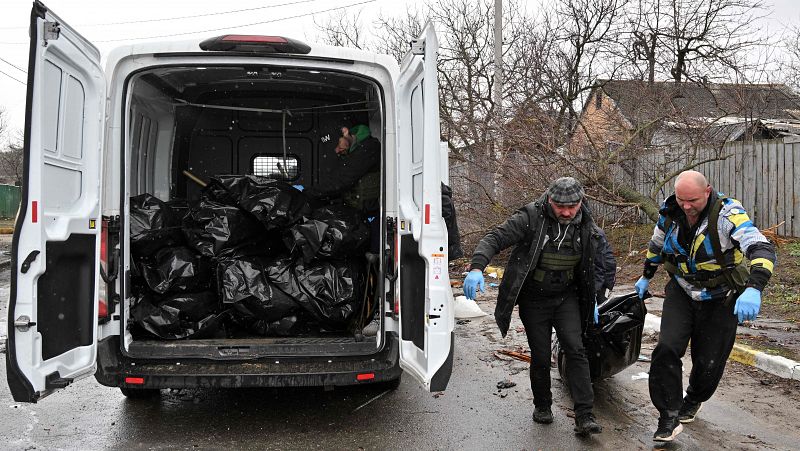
<point>11,156</point>
<point>343,29</point>
<point>692,39</point>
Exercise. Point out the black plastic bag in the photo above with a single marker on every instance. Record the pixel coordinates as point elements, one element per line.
<point>190,315</point>
<point>275,204</point>
<point>305,239</point>
<point>215,229</point>
<point>177,269</point>
<point>332,232</point>
<point>330,292</point>
<point>153,225</point>
<point>284,327</point>
<point>243,283</point>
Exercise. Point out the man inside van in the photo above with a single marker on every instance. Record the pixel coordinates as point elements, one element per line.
<point>357,177</point>
<point>551,276</point>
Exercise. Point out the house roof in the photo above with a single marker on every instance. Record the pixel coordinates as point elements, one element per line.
<point>640,102</point>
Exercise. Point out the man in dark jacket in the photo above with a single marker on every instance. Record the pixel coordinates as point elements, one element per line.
<point>357,178</point>
<point>551,275</point>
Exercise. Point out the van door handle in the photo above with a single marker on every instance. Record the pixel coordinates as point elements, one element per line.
<point>26,265</point>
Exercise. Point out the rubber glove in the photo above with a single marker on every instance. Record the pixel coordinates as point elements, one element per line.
<point>641,286</point>
<point>298,187</point>
<point>473,280</point>
<point>747,305</point>
<point>596,314</point>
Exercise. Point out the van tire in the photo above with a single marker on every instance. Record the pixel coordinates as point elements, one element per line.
<point>139,393</point>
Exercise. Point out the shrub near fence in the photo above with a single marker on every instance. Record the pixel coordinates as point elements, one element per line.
<point>9,201</point>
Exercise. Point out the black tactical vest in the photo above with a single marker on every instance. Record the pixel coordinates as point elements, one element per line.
<point>561,254</point>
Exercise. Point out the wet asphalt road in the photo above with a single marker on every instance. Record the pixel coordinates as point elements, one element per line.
<point>471,414</point>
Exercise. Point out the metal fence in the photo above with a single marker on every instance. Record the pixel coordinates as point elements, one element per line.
<point>9,201</point>
<point>763,175</point>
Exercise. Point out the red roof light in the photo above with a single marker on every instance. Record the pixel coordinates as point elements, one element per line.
<point>255,44</point>
<point>251,38</point>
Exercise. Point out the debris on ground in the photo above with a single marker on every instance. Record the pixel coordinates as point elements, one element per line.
<point>643,358</point>
<point>505,383</point>
<point>495,272</point>
<point>517,355</point>
<point>640,376</point>
<point>461,322</point>
<point>466,308</point>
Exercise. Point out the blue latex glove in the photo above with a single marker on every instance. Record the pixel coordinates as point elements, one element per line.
<point>641,286</point>
<point>596,314</point>
<point>748,304</point>
<point>473,280</point>
<point>298,187</point>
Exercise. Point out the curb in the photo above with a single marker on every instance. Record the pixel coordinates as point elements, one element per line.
<point>773,364</point>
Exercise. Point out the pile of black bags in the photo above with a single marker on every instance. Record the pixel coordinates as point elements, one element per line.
<point>251,257</point>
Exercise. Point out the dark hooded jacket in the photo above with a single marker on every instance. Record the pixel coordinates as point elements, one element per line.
<point>525,230</point>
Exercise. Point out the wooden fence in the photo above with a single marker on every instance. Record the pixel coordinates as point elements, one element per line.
<point>764,175</point>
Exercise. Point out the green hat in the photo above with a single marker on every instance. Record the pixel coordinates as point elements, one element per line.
<point>360,132</point>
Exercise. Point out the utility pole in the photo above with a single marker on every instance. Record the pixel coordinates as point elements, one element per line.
<point>498,87</point>
<point>498,61</point>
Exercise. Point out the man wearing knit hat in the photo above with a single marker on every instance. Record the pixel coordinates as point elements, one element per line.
<point>552,276</point>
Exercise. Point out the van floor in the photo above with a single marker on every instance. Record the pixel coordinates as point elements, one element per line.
<point>253,346</point>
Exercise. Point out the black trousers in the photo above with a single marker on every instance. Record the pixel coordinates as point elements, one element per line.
<point>711,326</point>
<point>539,316</point>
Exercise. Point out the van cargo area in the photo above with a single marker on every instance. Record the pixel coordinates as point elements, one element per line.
<point>241,233</point>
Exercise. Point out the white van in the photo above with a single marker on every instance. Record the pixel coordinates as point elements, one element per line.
<point>94,138</point>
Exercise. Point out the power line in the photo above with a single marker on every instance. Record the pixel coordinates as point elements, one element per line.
<point>15,79</point>
<point>14,66</point>
<point>239,26</point>
<point>180,17</point>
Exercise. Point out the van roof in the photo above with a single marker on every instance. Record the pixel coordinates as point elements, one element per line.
<point>193,46</point>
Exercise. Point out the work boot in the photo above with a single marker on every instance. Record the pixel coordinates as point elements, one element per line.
<point>668,429</point>
<point>689,411</point>
<point>371,329</point>
<point>542,415</point>
<point>586,424</point>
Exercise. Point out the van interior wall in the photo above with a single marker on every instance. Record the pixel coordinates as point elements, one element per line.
<point>167,136</point>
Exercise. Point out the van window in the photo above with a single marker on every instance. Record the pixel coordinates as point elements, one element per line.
<point>52,99</point>
<point>273,167</point>
<point>417,143</point>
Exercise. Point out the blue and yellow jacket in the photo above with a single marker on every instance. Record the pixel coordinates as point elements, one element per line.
<point>690,259</point>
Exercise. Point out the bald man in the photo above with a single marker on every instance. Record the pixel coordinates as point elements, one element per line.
<point>701,239</point>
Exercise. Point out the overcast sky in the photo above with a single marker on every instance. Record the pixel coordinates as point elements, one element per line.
<point>106,22</point>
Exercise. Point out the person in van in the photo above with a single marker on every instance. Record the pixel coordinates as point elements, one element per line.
<point>551,275</point>
<point>357,180</point>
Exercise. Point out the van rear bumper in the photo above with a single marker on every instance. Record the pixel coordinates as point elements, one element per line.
<point>113,369</point>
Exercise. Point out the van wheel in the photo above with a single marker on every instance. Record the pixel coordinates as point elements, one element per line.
<point>139,393</point>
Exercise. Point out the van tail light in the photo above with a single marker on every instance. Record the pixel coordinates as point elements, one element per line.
<point>365,377</point>
<point>134,380</point>
<point>102,299</point>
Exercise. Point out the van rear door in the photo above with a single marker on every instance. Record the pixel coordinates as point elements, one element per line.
<point>52,312</point>
<point>426,315</point>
